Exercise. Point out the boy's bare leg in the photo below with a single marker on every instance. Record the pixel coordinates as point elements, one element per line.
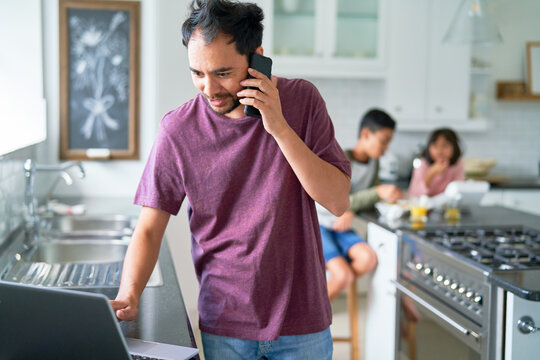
<point>341,276</point>
<point>364,259</point>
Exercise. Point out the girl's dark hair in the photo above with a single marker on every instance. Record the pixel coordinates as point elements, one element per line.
<point>243,21</point>
<point>451,137</point>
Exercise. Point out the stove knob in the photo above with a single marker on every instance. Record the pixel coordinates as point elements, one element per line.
<point>469,294</point>
<point>428,271</point>
<point>439,278</point>
<point>454,286</point>
<point>419,266</point>
<point>461,290</point>
<point>478,299</point>
<point>446,282</point>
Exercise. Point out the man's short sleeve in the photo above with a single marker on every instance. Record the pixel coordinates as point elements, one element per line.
<point>161,184</point>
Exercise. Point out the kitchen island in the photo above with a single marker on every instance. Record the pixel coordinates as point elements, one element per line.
<point>472,280</point>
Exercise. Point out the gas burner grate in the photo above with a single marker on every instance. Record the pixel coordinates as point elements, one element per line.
<point>499,248</point>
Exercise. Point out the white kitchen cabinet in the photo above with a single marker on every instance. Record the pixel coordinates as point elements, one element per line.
<point>326,38</point>
<point>517,199</point>
<point>428,82</point>
<point>408,60</point>
<point>523,200</point>
<point>492,198</point>
<point>23,118</point>
<point>381,301</point>
<point>517,344</point>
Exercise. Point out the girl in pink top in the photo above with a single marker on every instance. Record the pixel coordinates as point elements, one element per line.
<point>441,164</point>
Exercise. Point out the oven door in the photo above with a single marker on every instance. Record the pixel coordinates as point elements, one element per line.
<point>437,331</point>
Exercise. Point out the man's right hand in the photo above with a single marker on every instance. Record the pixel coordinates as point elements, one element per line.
<point>390,193</point>
<point>126,309</point>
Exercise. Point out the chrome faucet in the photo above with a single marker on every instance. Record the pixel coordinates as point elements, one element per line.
<point>30,169</point>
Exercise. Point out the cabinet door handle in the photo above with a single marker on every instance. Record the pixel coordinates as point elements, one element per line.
<point>438,109</point>
<point>398,108</point>
<point>526,325</point>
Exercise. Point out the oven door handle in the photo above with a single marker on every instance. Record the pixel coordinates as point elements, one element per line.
<point>434,310</point>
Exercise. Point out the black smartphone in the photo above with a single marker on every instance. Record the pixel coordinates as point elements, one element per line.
<point>264,65</point>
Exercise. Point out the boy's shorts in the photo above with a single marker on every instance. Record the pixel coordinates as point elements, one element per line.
<point>338,243</point>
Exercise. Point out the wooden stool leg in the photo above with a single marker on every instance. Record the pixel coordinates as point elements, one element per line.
<point>352,309</point>
<point>352,305</point>
<point>411,332</point>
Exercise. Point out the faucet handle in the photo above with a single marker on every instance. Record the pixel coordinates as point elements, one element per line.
<point>29,167</point>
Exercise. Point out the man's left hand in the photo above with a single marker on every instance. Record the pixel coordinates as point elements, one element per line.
<point>266,99</point>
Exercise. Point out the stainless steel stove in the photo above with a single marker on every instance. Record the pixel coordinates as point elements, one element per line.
<point>444,273</point>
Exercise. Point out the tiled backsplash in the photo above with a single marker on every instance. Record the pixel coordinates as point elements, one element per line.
<point>347,101</point>
<point>512,137</point>
<point>12,190</point>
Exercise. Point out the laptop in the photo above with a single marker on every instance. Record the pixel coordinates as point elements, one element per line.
<point>45,323</point>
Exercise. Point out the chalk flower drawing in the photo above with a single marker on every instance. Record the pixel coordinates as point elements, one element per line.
<point>99,70</point>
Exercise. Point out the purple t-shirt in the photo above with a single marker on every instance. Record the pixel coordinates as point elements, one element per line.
<point>256,243</point>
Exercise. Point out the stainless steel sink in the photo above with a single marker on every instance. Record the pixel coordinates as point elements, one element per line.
<point>72,251</point>
<point>80,251</point>
<point>88,226</point>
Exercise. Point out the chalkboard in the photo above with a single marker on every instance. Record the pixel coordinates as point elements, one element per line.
<point>99,78</point>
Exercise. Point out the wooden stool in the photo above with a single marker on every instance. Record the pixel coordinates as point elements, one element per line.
<point>352,309</point>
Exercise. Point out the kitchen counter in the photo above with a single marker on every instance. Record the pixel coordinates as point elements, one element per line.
<point>518,183</point>
<point>476,216</point>
<point>515,183</point>
<point>162,314</point>
<point>523,283</point>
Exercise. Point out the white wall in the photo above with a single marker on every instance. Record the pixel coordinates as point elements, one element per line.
<point>519,22</point>
<point>118,178</point>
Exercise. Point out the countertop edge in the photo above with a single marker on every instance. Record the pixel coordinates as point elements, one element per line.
<point>527,294</point>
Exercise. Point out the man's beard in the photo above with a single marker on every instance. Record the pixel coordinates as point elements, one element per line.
<point>234,105</point>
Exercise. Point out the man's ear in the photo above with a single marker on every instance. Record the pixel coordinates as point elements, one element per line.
<point>259,50</point>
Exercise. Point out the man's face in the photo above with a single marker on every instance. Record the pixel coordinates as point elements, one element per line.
<point>217,69</point>
<point>377,142</point>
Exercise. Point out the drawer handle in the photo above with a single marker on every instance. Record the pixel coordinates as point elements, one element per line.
<point>526,325</point>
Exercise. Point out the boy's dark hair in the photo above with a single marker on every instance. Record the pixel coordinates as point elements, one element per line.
<point>451,137</point>
<point>243,21</point>
<point>375,120</point>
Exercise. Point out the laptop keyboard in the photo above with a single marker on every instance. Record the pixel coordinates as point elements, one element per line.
<point>141,357</point>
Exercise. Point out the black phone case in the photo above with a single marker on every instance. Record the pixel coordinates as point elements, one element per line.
<point>264,65</point>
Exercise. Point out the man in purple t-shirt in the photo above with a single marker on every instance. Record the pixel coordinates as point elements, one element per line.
<point>250,184</point>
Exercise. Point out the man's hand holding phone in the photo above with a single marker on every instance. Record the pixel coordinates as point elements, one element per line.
<point>266,99</point>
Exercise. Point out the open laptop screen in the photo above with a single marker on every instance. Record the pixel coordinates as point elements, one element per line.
<point>45,323</point>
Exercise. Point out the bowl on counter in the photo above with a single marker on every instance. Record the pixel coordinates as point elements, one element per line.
<point>477,167</point>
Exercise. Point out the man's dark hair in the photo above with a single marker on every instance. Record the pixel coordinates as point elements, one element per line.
<point>242,21</point>
<point>451,137</point>
<point>376,120</point>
